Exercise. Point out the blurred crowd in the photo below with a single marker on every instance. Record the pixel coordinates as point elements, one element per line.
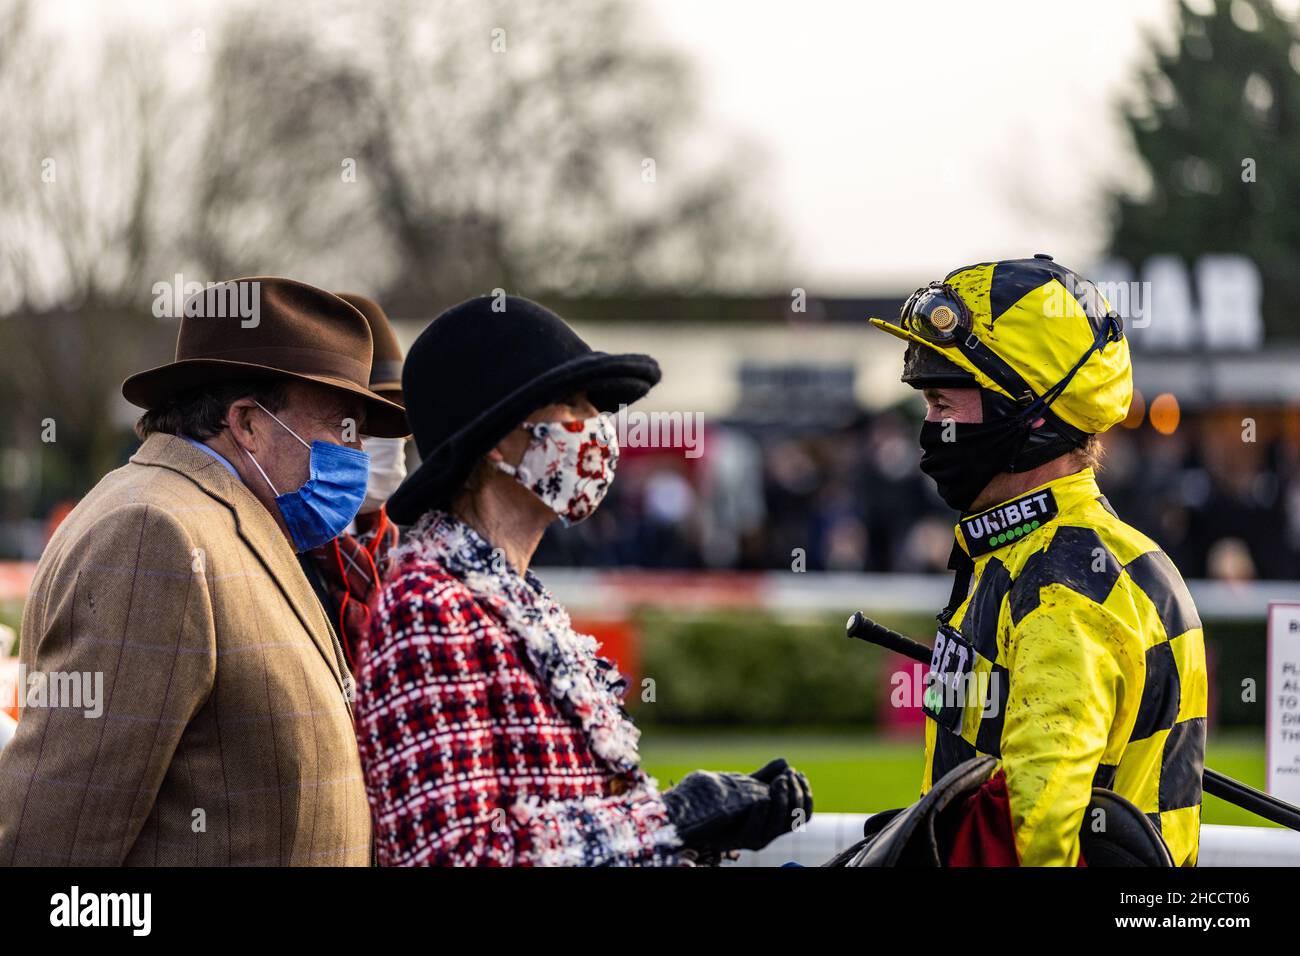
<point>853,499</point>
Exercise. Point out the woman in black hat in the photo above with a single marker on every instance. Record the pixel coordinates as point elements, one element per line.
<point>491,732</point>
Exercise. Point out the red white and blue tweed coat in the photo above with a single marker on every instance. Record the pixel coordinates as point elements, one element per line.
<point>491,733</point>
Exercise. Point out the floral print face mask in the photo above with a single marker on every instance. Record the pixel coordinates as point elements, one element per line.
<point>568,465</point>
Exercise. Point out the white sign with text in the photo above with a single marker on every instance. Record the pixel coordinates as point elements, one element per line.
<point>1282,716</point>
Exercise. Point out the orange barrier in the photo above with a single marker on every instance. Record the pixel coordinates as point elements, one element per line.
<point>620,641</point>
<point>15,582</point>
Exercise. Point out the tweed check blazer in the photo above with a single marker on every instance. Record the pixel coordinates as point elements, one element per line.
<point>225,734</point>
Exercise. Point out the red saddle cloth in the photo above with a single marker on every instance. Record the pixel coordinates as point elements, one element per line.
<point>982,834</point>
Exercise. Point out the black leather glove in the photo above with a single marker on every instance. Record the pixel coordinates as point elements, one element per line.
<point>717,812</point>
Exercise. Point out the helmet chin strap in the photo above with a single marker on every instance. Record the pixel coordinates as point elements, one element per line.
<point>1053,437</point>
<point>1038,445</point>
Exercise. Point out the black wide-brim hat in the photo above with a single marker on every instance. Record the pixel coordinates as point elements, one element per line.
<point>478,371</point>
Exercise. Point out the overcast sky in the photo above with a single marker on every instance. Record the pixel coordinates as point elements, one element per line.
<point>902,138</point>
<point>907,138</point>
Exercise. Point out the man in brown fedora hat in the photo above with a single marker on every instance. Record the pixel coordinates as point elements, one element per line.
<point>345,572</point>
<point>223,733</point>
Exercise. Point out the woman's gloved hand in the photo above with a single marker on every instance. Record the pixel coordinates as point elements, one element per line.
<point>717,812</point>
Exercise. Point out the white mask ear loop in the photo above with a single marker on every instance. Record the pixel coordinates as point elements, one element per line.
<point>282,424</point>
<point>249,455</point>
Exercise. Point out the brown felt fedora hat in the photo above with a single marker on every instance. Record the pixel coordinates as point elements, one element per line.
<point>268,327</point>
<point>386,366</point>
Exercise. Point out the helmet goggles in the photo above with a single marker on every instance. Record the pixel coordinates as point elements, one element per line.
<point>937,314</point>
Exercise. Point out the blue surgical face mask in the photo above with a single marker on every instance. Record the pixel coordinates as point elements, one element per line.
<point>321,510</point>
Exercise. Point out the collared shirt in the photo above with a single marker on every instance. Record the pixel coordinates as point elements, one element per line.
<point>215,454</point>
<point>1081,663</point>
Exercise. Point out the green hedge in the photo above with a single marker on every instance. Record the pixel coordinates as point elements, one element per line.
<point>11,613</point>
<point>1238,651</point>
<point>729,668</point>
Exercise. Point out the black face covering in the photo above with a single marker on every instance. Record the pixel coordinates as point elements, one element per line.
<point>975,454</point>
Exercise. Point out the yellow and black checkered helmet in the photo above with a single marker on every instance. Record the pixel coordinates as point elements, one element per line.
<point>1028,329</point>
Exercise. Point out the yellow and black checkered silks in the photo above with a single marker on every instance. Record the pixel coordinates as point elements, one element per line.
<point>1040,317</point>
<point>1089,644</point>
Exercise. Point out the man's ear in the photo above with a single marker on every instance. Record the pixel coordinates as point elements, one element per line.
<point>240,415</point>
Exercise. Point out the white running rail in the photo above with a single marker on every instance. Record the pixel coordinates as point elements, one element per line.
<point>828,833</point>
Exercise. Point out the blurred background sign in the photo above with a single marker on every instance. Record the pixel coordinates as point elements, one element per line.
<point>1283,720</point>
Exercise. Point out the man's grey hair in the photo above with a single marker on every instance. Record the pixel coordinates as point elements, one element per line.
<point>201,413</point>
